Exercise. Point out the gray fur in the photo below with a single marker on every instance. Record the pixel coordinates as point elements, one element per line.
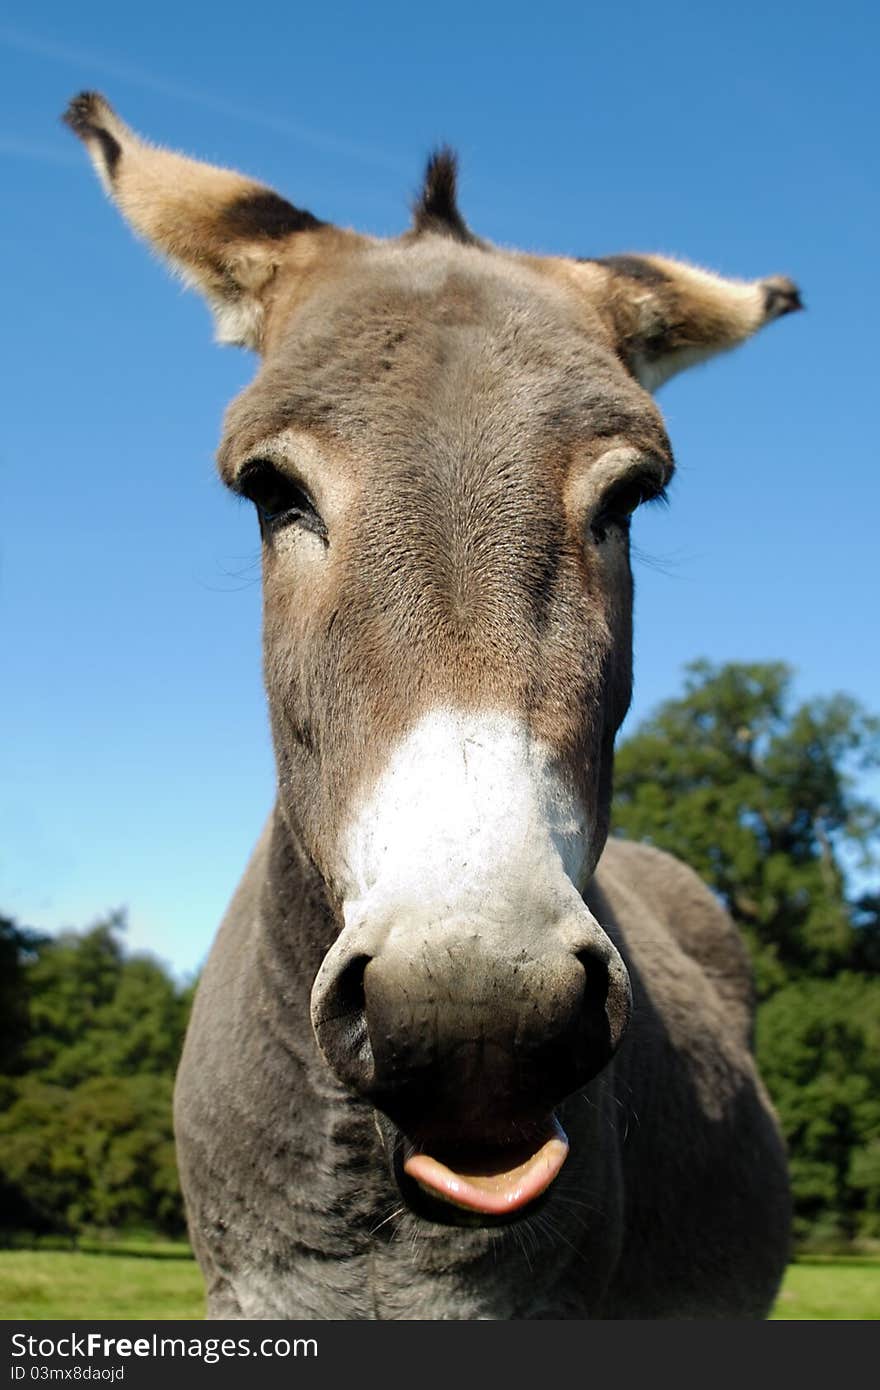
<point>673,1204</point>
<point>435,364</point>
<point>444,442</point>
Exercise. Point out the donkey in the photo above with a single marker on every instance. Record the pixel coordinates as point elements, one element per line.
<point>455,1053</point>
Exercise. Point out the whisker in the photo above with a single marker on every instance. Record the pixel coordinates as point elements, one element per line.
<point>668,565</point>
<point>398,1211</point>
<point>520,1240</point>
<point>559,1235</point>
<point>565,1200</point>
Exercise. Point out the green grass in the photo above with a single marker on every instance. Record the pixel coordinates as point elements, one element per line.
<point>141,1280</point>
<point>147,1280</point>
<point>830,1287</point>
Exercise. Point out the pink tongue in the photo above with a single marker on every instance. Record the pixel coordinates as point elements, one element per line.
<point>501,1183</point>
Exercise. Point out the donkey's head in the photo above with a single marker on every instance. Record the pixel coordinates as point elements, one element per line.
<point>444,444</point>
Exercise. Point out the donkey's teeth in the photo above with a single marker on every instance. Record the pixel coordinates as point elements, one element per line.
<point>493,1186</point>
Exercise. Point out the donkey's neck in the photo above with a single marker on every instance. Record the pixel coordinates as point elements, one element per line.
<point>296,927</point>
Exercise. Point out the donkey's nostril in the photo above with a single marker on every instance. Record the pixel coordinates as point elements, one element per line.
<point>350,987</point>
<point>606,1002</point>
<point>595,988</point>
<point>348,1006</point>
<point>342,1023</point>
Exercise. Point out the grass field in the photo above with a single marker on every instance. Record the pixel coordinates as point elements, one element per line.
<point>830,1286</point>
<point>150,1281</point>
<point>132,1279</point>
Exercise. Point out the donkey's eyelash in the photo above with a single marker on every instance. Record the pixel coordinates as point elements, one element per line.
<point>661,496</point>
<point>622,500</point>
<point>625,497</point>
<point>279,500</point>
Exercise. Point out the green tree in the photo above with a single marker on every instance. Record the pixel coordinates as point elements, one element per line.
<point>90,1045</point>
<point>98,1155</point>
<point>19,947</point>
<point>818,1049</point>
<point>96,1012</point>
<point>760,798</point>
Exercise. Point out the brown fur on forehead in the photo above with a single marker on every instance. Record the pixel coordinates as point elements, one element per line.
<point>402,341</point>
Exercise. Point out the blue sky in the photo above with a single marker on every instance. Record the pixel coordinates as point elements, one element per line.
<point>137,769</point>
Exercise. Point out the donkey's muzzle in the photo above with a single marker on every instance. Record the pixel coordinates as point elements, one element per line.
<point>461,1035</point>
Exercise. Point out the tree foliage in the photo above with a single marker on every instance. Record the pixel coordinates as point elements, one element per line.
<point>18,948</point>
<point>87,1073</point>
<point>761,798</point>
<point>94,1012</point>
<point>818,1048</point>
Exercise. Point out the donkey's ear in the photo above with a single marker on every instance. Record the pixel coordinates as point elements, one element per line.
<point>666,315</point>
<point>225,234</point>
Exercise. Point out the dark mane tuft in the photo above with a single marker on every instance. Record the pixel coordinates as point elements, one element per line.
<point>436,209</point>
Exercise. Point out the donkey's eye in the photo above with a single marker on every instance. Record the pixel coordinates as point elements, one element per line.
<point>620,501</point>
<point>278,499</point>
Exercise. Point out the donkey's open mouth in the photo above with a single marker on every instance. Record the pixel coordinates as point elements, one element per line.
<point>483,1185</point>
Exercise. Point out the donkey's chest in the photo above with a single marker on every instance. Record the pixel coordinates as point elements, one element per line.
<point>396,1286</point>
